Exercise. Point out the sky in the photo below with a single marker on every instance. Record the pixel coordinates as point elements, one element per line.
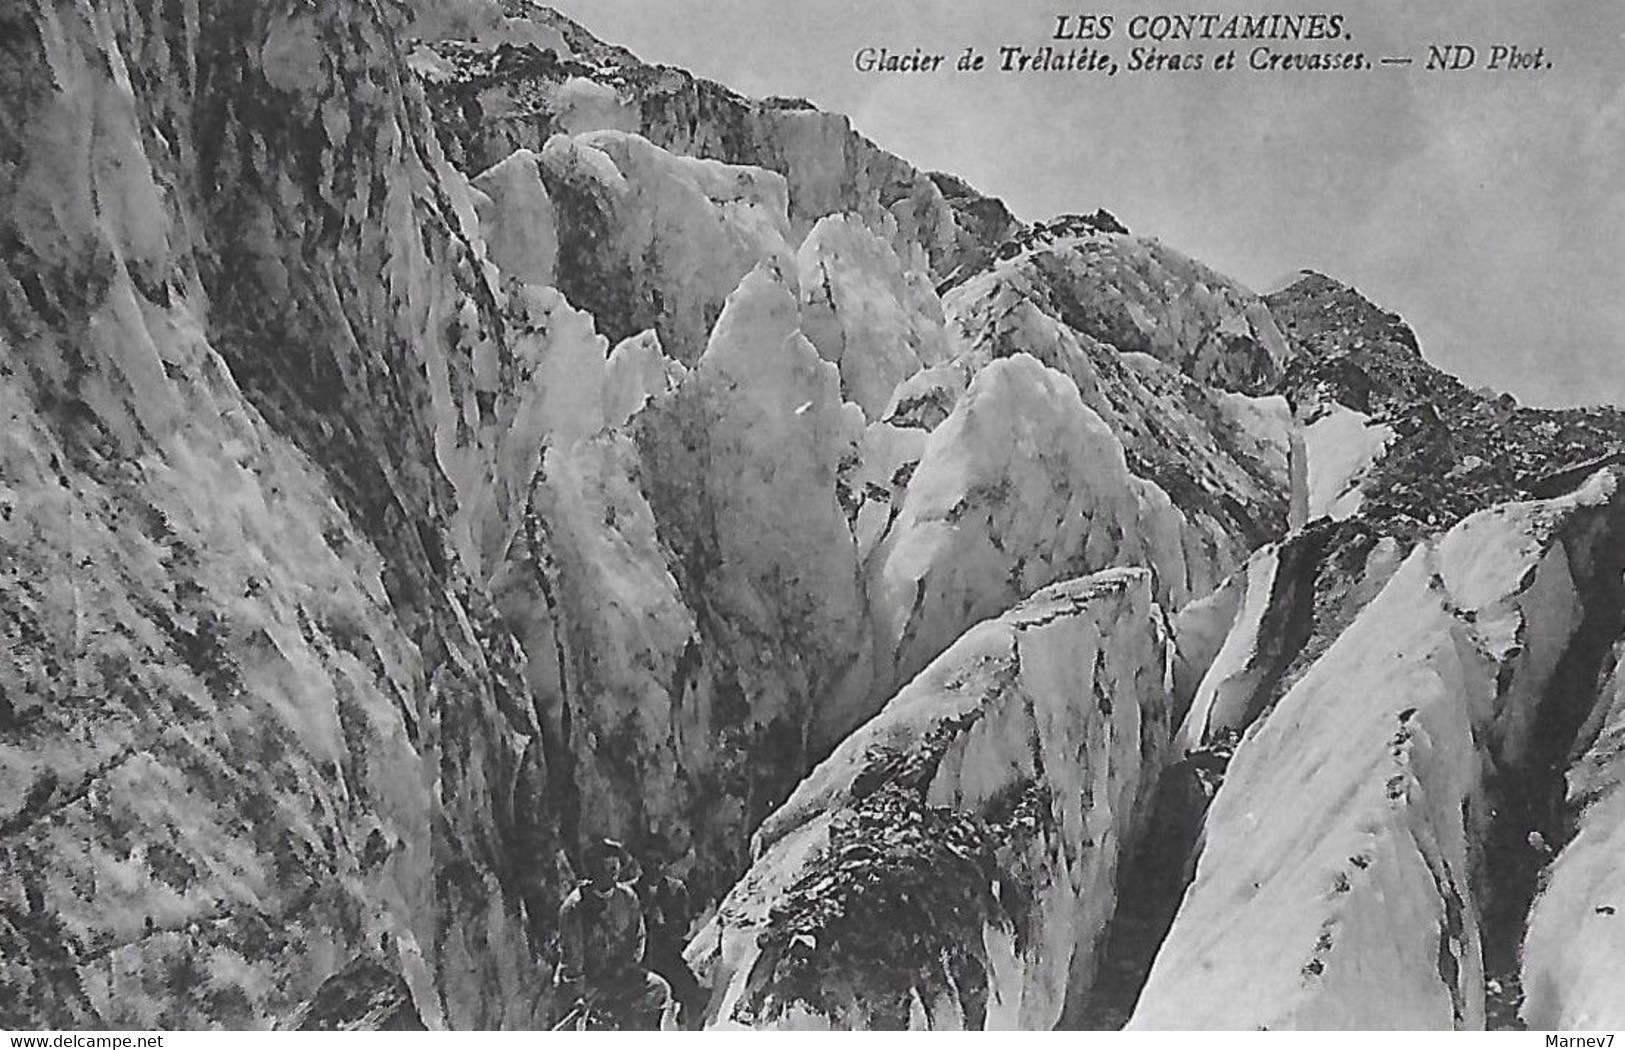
<point>1485,207</point>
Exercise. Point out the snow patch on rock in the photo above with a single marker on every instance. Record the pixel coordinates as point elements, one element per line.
<point>1339,447</point>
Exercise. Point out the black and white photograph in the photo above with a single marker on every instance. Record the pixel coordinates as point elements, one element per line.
<point>683,516</point>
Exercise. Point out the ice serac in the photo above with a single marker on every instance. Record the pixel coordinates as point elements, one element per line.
<point>1226,697</point>
<point>887,459</point>
<point>636,371</point>
<point>1339,445</point>
<point>1140,296</point>
<point>877,320</point>
<point>924,399</point>
<point>1240,648</point>
<point>1021,486</point>
<point>1221,456</point>
<point>491,99</point>
<point>1346,881</point>
<point>953,863</point>
<point>554,393</point>
<point>1574,949</point>
<point>654,240</point>
<point>259,720</point>
<point>686,586</point>
<point>516,217</point>
<point>615,663</point>
<point>744,465</point>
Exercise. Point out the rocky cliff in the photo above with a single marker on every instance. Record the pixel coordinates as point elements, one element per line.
<point>436,440</point>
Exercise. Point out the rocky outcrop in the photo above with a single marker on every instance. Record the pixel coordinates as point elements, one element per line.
<point>1447,451</point>
<point>953,863</point>
<point>363,997</point>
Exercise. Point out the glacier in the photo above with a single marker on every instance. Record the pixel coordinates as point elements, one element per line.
<point>436,440</point>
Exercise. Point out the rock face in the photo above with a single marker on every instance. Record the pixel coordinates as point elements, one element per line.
<point>952,864</point>
<point>1450,450</point>
<point>435,440</point>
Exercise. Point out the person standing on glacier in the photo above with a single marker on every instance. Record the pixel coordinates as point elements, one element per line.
<point>667,912</point>
<point>601,942</point>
